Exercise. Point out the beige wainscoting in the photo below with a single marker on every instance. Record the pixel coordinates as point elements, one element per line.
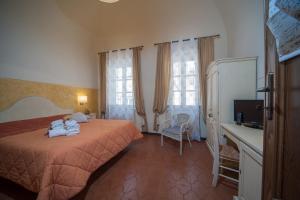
<point>12,90</point>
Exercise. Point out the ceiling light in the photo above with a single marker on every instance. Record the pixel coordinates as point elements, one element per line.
<point>109,1</point>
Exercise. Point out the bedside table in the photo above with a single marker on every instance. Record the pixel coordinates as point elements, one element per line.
<point>91,116</point>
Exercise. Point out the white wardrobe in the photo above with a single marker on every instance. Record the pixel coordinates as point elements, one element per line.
<point>228,80</point>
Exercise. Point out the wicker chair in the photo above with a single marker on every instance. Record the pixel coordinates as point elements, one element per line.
<point>176,127</point>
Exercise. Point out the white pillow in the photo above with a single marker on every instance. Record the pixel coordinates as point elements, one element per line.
<point>79,117</point>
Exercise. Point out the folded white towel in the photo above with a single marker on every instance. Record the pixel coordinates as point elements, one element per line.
<point>73,132</point>
<point>76,126</point>
<point>71,122</point>
<point>57,132</point>
<point>72,128</point>
<point>56,122</point>
<point>57,126</point>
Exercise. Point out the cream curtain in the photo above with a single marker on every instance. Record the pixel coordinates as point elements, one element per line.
<point>102,82</point>
<point>206,56</point>
<point>137,86</point>
<point>162,81</point>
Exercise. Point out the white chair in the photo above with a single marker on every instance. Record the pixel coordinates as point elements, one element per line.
<point>176,127</point>
<point>222,153</point>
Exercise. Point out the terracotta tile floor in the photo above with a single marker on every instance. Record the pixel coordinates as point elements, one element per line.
<point>148,171</point>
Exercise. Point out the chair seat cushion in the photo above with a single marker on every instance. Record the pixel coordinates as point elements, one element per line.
<point>172,130</point>
<point>229,152</point>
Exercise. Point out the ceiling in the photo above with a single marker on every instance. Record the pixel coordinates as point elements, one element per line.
<point>104,19</point>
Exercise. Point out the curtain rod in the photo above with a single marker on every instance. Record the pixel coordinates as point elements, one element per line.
<point>184,40</point>
<point>141,47</point>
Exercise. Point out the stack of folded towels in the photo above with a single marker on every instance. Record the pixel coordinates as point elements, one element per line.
<point>72,127</point>
<point>61,128</point>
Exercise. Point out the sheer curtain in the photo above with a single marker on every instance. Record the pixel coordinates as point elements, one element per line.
<point>184,85</point>
<point>120,98</point>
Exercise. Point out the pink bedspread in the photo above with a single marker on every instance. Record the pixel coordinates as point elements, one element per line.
<point>58,168</point>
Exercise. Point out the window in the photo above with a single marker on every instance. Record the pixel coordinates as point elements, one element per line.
<point>120,98</point>
<point>184,78</point>
<point>184,84</point>
<point>123,89</point>
<point>184,90</point>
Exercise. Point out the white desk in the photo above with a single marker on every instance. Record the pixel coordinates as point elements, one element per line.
<point>250,144</point>
<point>249,136</point>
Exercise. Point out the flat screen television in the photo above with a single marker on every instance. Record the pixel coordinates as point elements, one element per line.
<point>249,112</point>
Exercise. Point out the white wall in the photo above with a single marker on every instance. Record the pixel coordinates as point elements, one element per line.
<point>244,22</point>
<point>171,20</point>
<point>38,43</point>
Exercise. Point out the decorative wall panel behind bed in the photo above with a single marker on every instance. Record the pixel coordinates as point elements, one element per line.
<point>32,107</point>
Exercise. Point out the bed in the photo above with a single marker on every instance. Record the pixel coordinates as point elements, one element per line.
<point>58,168</point>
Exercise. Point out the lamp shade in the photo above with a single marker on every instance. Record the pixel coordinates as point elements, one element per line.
<point>109,1</point>
<point>82,100</point>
